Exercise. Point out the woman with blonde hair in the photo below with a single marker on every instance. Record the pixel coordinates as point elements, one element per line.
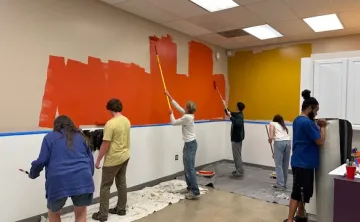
<point>279,133</point>
<point>190,146</point>
<point>69,168</point>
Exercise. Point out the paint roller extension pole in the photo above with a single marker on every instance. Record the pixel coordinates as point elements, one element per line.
<point>272,149</point>
<point>162,76</point>
<point>217,89</point>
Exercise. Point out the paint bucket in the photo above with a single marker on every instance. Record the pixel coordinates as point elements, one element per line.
<point>350,172</point>
<point>205,173</point>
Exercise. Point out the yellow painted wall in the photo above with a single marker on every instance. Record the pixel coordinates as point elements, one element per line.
<point>267,82</point>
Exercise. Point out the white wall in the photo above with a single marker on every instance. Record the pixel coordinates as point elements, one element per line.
<point>255,147</point>
<point>152,156</point>
<point>153,151</point>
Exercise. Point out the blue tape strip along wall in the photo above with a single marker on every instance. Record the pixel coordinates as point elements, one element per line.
<point>198,122</point>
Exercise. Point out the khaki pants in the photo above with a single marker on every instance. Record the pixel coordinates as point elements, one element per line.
<point>108,174</point>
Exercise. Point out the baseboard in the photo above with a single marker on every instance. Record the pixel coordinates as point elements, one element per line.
<point>256,165</point>
<point>69,209</point>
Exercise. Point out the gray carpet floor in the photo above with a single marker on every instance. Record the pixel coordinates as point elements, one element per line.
<point>255,184</point>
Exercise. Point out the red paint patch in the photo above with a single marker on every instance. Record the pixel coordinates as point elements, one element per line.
<point>81,90</point>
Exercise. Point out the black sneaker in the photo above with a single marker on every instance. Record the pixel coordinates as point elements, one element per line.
<point>286,220</point>
<point>98,217</point>
<point>300,219</point>
<point>118,212</point>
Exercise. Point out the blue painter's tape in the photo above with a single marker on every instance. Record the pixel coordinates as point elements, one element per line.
<point>137,126</point>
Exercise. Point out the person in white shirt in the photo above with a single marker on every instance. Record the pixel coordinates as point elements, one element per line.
<point>189,151</point>
<point>282,146</point>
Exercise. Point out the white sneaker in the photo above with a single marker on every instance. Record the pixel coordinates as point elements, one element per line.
<point>183,191</point>
<point>191,196</point>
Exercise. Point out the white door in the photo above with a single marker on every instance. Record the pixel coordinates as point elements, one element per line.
<point>353,98</point>
<point>330,82</point>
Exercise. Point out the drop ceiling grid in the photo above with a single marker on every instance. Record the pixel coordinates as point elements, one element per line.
<point>284,15</point>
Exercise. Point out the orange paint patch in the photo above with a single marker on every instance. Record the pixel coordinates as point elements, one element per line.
<point>81,90</point>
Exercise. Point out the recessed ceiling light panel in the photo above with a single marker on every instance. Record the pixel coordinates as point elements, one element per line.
<point>215,5</point>
<point>263,32</point>
<point>324,23</point>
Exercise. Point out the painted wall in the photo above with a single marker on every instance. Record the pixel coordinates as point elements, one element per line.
<point>94,52</point>
<point>267,82</point>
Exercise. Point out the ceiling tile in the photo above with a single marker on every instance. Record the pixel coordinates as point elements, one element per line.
<point>211,23</point>
<point>341,5</point>
<point>181,8</point>
<point>146,10</point>
<point>350,19</point>
<point>240,17</point>
<point>214,38</point>
<point>292,27</point>
<point>272,11</point>
<point>308,8</point>
<point>248,2</point>
<point>247,38</point>
<point>187,27</point>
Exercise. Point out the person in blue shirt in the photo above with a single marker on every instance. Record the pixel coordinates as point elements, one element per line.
<point>69,168</point>
<point>308,136</point>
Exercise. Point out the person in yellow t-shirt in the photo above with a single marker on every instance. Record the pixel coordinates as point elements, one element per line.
<point>116,149</point>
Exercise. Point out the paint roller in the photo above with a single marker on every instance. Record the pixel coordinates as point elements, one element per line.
<point>155,39</point>
<point>218,91</point>
<point>24,171</point>
<point>273,174</point>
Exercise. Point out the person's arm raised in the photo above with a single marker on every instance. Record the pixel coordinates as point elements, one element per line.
<point>174,103</point>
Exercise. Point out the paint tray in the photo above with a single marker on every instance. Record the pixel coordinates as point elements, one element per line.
<point>205,173</point>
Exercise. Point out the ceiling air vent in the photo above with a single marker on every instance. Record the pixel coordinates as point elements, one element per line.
<point>233,33</point>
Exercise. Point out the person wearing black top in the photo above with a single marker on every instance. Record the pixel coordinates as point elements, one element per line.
<point>237,136</point>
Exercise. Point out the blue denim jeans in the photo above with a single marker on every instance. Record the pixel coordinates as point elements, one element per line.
<point>282,159</point>
<point>189,153</point>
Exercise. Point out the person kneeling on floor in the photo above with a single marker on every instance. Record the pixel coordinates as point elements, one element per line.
<point>308,136</point>
<point>69,164</point>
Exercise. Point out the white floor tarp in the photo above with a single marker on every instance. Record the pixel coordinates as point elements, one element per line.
<point>141,203</point>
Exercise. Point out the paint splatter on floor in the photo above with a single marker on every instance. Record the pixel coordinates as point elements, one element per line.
<point>142,202</point>
<point>255,184</point>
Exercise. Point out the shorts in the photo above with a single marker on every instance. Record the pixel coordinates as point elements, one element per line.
<point>302,178</point>
<point>78,201</point>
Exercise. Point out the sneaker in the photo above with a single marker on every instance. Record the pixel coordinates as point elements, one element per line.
<point>286,220</point>
<point>191,196</point>
<point>237,177</point>
<point>98,217</point>
<point>183,191</point>
<point>300,219</point>
<point>118,212</point>
<point>276,187</point>
<point>236,173</point>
